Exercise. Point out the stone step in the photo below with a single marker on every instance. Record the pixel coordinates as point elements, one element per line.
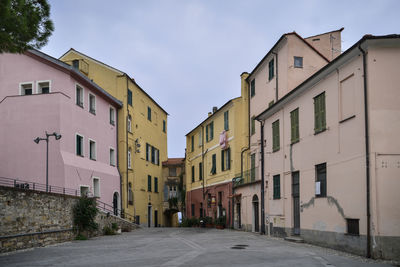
<point>296,239</point>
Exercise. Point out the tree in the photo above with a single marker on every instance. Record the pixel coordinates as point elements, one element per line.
<point>85,212</point>
<point>24,24</point>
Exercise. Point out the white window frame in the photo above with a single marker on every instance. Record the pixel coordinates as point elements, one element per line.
<point>95,107</point>
<point>95,149</point>
<point>112,158</point>
<point>83,145</point>
<point>85,186</point>
<point>83,95</point>
<point>114,115</point>
<point>94,191</point>
<point>24,83</point>
<point>129,158</point>
<point>44,81</point>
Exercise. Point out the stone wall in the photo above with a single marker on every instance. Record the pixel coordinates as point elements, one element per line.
<point>33,218</point>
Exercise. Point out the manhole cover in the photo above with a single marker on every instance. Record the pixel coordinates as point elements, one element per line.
<point>240,245</point>
<point>237,247</point>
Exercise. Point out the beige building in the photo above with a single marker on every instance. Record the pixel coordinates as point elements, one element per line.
<point>290,61</point>
<point>332,153</point>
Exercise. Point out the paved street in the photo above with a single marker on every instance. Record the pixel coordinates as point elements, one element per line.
<point>183,247</point>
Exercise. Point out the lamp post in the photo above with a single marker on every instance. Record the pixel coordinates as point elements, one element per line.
<point>37,140</point>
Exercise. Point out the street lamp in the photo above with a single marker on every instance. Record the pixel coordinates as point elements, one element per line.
<point>37,140</point>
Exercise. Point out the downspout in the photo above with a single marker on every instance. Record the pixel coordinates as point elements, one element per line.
<point>126,140</point>
<point>367,166</point>
<point>276,77</point>
<point>202,164</point>
<point>262,179</point>
<point>119,172</point>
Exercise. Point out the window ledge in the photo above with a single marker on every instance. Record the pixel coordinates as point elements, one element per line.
<point>295,141</point>
<point>320,131</point>
<point>80,105</point>
<point>112,165</point>
<point>92,112</point>
<point>80,155</point>
<point>276,150</point>
<point>318,196</point>
<point>349,118</point>
<point>93,159</point>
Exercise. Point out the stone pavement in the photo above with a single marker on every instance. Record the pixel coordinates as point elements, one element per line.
<point>184,247</point>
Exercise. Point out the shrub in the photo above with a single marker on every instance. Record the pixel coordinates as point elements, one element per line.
<point>108,230</point>
<point>80,237</point>
<point>85,212</point>
<point>221,221</point>
<point>114,226</point>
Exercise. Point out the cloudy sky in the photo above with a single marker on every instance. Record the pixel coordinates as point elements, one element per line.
<point>188,54</point>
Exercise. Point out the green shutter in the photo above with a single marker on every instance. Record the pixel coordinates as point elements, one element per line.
<point>192,143</point>
<point>149,183</point>
<point>253,166</point>
<point>226,120</point>
<point>319,113</point>
<point>156,184</point>
<point>253,88</point>
<point>214,164</point>
<point>275,136</point>
<point>212,130</point>
<point>294,125</point>
<point>253,125</point>
<point>271,69</point>
<point>277,187</point>
<point>228,160</point>
<point>222,160</point>
<point>207,133</point>
<point>323,115</point>
<point>200,171</point>
<point>192,174</point>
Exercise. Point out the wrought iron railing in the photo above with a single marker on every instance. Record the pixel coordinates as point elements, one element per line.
<point>249,176</point>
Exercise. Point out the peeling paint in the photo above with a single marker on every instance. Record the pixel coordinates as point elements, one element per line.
<point>331,201</point>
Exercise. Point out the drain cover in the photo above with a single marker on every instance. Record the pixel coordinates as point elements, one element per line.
<point>240,245</point>
<point>237,247</point>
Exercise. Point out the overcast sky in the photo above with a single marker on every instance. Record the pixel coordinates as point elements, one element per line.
<point>188,55</point>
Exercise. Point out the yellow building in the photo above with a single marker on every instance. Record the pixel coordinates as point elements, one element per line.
<point>214,156</point>
<point>142,139</point>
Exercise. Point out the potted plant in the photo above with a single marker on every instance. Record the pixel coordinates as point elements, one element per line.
<point>208,222</point>
<point>220,222</point>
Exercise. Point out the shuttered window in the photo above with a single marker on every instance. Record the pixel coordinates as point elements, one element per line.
<point>271,69</point>
<point>192,143</point>
<point>253,125</point>
<point>210,131</point>
<point>129,97</point>
<point>226,120</point>
<point>149,183</point>
<point>192,174</point>
<point>277,186</point>
<point>275,136</point>
<point>200,171</point>
<point>226,159</point>
<point>253,87</point>
<point>214,164</point>
<point>253,167</point>
<point>294,125</point>
<point>319,113</point>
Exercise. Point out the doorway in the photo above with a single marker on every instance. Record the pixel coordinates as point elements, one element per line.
<point>296,202</point>
<point>256,215</point>
<point>149,212</point>
<point>115,203</point>
<point>239,216</point>
<point>155,218</point>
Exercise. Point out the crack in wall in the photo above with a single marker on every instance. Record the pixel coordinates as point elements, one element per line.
<point>331,202</point>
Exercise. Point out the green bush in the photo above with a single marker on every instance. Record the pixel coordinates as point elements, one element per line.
<point>81,237</point>
<point>85,212</point>
<point>114,226</point>
<point>108,230</point>
<point>221,221</point>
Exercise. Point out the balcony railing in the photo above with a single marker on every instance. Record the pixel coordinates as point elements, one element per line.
<point>249,176</point>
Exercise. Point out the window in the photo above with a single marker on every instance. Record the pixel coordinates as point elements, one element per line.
<point>226,159</point>
<point>253,88</point>
<point>192,210</point>
<point>155,184</point>
<point>201,210</point>
<point>92,104</point>
<point>129,158</point>
<point>193,174</point>
<point>353,227</point>
<point>112,157</point>
<point>75,63</point>
<point>164,126</point>
<point>192,143</point>
<point>148,152</point>
<point>226,120</point>
<point>149,183</point>
<point>79,145</point>
<point>200,171</point>
<point>26,88</point>
<point>200,137</point>
<point>157,157</point>
<point>84,190</point>
<point>209,200</point>
<point>43,87</point>
<point>320,181</point>
<point>275,136</point>
<point>152,154</point>
<point>149,113</point>
<point>294,125</point>
<point>298,62</point>
<point>319,113</point>
<point>271,103</point>
<point>112,116</point>
<point>130,194</point>
<point>214,164</point>
<point>347,97</point>
<point>277,186</point>
<point>92,149</point>
<point>253,167</point>
<point>129,123</point>
<point>253,125</point>
<point>96,187</point>
<point>271,69</point>
<point>172,172</point>
<point>129,97</point>
<point>79,96</point>
<point>210,131</point>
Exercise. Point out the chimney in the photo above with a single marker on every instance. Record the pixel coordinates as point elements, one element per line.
<point>209,114</point>
<point>214,109</point>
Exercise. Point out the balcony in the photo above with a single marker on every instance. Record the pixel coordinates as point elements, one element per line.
<point>249,176</point>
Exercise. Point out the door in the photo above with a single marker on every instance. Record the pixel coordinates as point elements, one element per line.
<point>239,215</point>
<point>149,211</point>
<point>155,218</point>
<point>115,203</point>
<point>296,202</point>
<point>256,216</point>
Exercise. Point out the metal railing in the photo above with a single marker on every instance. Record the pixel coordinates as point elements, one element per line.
<point>107,208</point>
<point>249,176</point>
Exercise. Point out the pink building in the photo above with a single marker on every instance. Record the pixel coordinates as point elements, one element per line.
<point>332,153</point>
<point>39,93</point>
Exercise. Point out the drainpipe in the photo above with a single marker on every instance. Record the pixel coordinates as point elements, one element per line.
<point>126,134</point>
<point>262,179</point>
<point>119,172</point>
<point>367,166</point>
<point>276,77</point>
<point>202,166</point>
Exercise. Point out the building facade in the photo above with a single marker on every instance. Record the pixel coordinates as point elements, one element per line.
<point>290,61</point>
<point>332,153</point>
<point>142,139</point>
<point>214,158</point>
<point>40,94</point>
<point>174,192</point>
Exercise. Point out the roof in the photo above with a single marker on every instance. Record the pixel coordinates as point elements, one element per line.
<point>277,43</point>
<point>339,30</point>
<point>73,72</point>
<point>173,161</point>
<point>226,104</point>
<point>313,79</point>
<point>119,71</point>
